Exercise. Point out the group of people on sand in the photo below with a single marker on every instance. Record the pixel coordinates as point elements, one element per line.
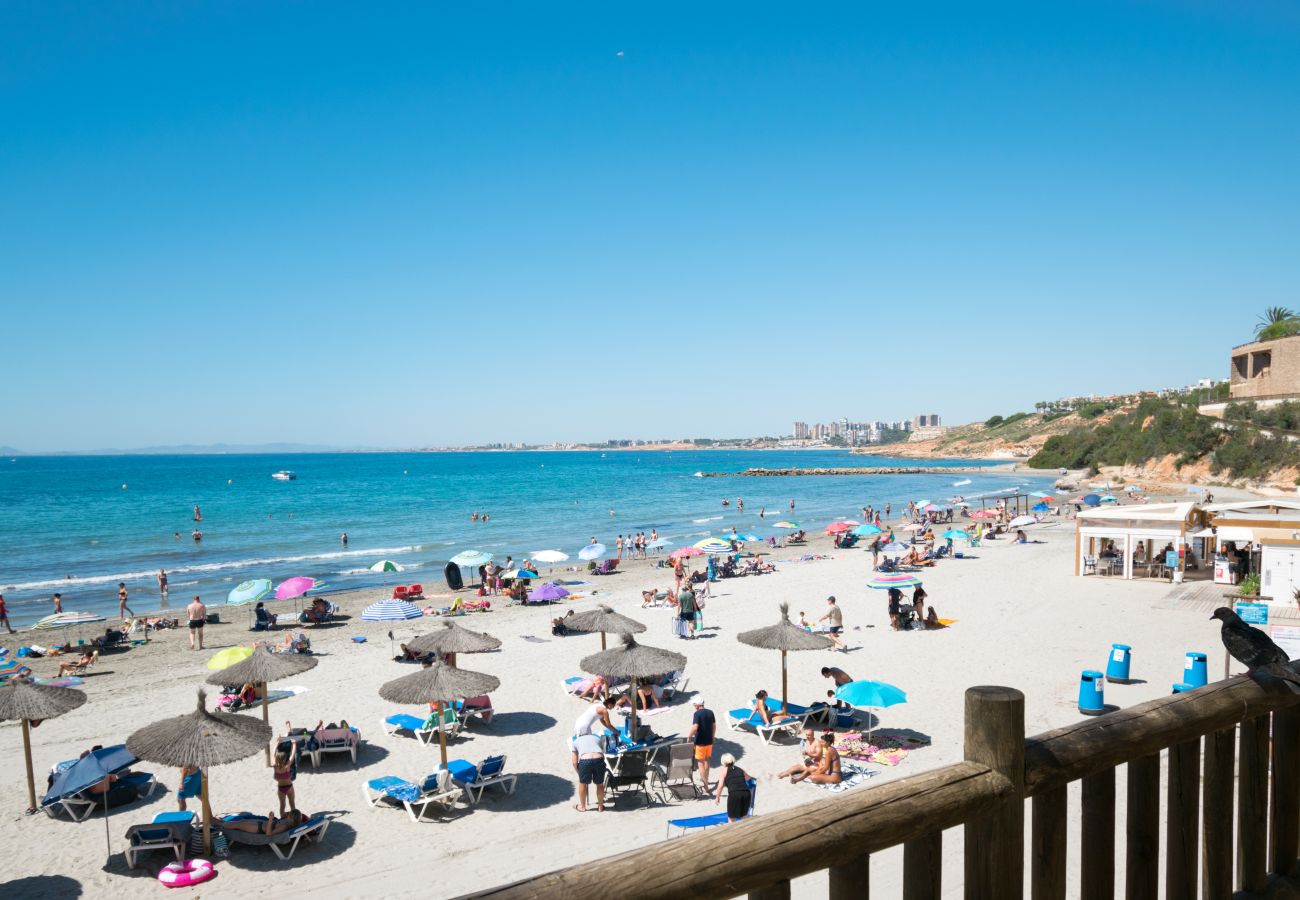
<point>904,615</point>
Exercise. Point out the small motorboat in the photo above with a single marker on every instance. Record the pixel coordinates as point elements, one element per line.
<point>962,483</point>
<point>285,475</point>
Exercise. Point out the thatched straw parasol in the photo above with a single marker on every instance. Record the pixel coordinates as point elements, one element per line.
<point>438,684</point>
<point>202,740</point>
<point>451,639</point>
<point>34,703</point>
<point>633,661</point>
<point>786,637</point>
<point>263,666</point>
<point>605,620</point>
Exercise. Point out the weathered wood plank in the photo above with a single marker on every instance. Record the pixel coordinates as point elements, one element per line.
<point>1097,847</point>
<point>1284,821</point>
<point>1182,809</point>
<point>778,891</point>
<point>852,880</point>
<point>994,840</point>
<point>1142,846</point>
<point>923,868</point>
<point>1048,842</point>
<point>1252,806</point>
<point>1216,814</point>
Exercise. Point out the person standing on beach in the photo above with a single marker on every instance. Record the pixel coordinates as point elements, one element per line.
<point>162,581</point>
<point>703,726</point>
<point>589,762</point>
<point>618,547</point>
<point>197,614</point>
<point>122,608</point>
<point>4,614</point>
<point>834,619</point>
<point>58,603</point>
<point>839,676</point>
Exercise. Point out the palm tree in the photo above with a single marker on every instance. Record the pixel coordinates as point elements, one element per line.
<point>1276,322</point>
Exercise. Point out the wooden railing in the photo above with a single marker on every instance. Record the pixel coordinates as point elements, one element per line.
<point>1232,746</point>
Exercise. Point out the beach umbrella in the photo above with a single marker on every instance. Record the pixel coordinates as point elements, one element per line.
<point>745,537</point>
<point>224,659</point>
<point>202,740</point>
<point>793,526</point>
<point>66,620</point>
<point>955,534</point>
<point>519,573</point>
<point>605,620</point>
<point>249,592</point>
<point>914,527</point>
<point>385,565</point>
<point>838,527</point>
<point>438,684</point>
<point>894,548</point>
<point>984,514</point>
<point>472,558</point>
<point>867,530</point>
<point>12,667</point>
<point>786,637</point>
<point>591,551</point>
<point>550,556</point>
<point>294,587</point>
<point>684,552</point>
<point>882,581</point>
<point>1022,521</point>
<point>260,667</point>
<point>1132,489</point>
<point>547,593</point>
<point>871,694</point>
<point>635,662</point>
<point>659,544</point>
<point>1091,500</point>
<point>89,770</point>
<point>390,610</point>
<point>1043,494</point>
<point>1109,498</point>
<point>937,507</point>
<point>27,702</point>
<point>451,639</point>
<point>713,545</point>
<point>1040,508</point>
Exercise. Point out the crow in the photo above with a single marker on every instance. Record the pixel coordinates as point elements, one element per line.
<point>1254,649</point>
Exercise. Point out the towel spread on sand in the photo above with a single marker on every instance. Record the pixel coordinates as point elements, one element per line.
<point>885,748</point>
<point>850,777</point>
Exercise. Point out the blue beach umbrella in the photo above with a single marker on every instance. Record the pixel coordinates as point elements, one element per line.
<point>91,769</point>
<point>1041,508</point>
<point>867,530</point>
<point>744,537</point>
<point>390,611</point>
<point>871,694</point>
<point>955,534</point>
<point>591,551</point>
<point>249,592</point>
<point>1091,500</point>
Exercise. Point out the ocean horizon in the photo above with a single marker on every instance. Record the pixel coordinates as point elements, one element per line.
<point>78,525</point>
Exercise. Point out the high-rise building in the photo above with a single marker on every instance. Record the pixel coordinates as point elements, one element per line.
<point>801,432</point>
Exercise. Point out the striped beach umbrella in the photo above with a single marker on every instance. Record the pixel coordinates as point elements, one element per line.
<point>66,619</point>
<point>713,545</point>
<point>249,592</point>
<point>883,581</point>
<point>518,573</point>
<point>893,548</point>
<point>390,611</point>
<point>794,526</point>
<point>385,565</point>
<point>11,667</point>
<point>472,559</point>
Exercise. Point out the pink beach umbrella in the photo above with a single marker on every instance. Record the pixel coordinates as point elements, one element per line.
<point>294,587</point>
<point>682,552</point>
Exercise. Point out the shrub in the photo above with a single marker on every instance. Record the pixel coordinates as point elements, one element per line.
<point>1249,585</point>
<point>992,421</point>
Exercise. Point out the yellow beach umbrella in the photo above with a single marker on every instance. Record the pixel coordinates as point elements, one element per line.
<point>224,659</point>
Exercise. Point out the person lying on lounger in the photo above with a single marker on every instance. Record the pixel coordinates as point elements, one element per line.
<point>760,707</point>
<point>271,825</point>
<point>85,659</point>
<point>595,688</point>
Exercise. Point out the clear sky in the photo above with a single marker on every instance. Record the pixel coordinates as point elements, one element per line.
<point>400,225</point>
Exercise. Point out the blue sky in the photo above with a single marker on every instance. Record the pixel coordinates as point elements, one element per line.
<point>405,225</point>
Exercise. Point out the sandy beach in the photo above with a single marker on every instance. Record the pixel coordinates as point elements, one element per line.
<point>1024,620</point>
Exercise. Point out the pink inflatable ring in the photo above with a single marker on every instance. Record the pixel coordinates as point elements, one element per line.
<point>184,874</point>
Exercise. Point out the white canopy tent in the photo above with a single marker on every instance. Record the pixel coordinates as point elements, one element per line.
<point>1127,527</point>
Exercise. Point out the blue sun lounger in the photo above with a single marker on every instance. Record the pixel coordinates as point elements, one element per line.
<point>699,823</point>
<point>481,777</point>
<point>745,717</point>
<point>436,788</point>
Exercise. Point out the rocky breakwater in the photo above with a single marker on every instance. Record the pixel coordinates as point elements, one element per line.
<point>873,470</point>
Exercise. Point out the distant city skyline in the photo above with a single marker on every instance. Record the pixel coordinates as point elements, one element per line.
<point>459,225</point>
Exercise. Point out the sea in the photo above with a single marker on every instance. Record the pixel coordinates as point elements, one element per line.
<point>81,524</point>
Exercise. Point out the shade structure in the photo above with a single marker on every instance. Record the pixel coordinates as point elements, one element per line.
<point>87,771</point>
<point>787,524</point>
<point>605,620</point>
<point>438,684</point>
<point>385,565</point>
<point>592,551</point>
<point>513,574</point>
<point>867,530</point>
<point>1091,500</point>
<point>633,661</point>
<point>955,534</point>
<point>547,593</point>
<point>871,694</point>
<point>1040,508</point>
<point>894,548</point>
<point>259,668</point>
<point>713,545</point>
<point>744,537</point>
<point>882,581</point>
<point>684,552</point>
<point>67,619</point>
<point>784,636</point>
<point>549,556</point>
<point>202,740</point>
<point>224,659</point>
<point>1022,521</point>
<point>659,543</point>
<point>472,558</point>
<point>249,592</point>
<point>390,610</point>
<point>11,667</point>
<point>27,702</point>
<point>294,587</point>
<point>450,639</point>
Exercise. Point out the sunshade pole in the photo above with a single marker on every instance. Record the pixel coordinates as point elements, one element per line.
<point>266,718</point>
<point>27,755</point>
<point>784,689</point>
<point>632,732</point>
<point>442,736</point>
<point>108,842</point>
<point>207,812</point>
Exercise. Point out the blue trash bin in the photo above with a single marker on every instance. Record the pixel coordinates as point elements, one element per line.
<point>1182,687</point>
<point>1117,665</point>
<point>1195,671</point>
<point>1092,693</point>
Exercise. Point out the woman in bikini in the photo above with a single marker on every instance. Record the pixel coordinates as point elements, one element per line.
<point>827,770</point>
<point>271,825</point>
<point>282,772</point>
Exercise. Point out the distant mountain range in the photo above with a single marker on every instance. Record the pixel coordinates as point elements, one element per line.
<point>181,449</point>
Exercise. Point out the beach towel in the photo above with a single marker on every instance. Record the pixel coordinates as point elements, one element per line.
<point>644,713</point>
<point>885,748</point>
<point>851,776</point>
<point>533,639</point>
<point>67,681</point>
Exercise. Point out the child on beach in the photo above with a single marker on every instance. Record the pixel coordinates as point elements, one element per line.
<point>282,772</point>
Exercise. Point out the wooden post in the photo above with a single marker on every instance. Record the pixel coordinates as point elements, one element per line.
<point>1284,835</point>
<point>851,881</point>
<point>1047,853</point>
<point>995,737</point>
<point>207,813</point>
<point>442,735</point>
<point>1252,806</point>
<point>266,720</point>
<point>923,867</point>
<point>1216,851</point>
<point>27,757</point>
<point>1142,851</point>
<point>785,688</point>
<point>1182,812</point>
<point>1097,848</point>
<point>778,891</point>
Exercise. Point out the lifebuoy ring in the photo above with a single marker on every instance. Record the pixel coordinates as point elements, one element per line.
<point>184,874</point>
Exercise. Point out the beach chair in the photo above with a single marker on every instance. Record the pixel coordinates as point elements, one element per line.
<point>335,740</point>
<point>606,567</point>
<point>400,592</point>
<point>633,775</point>
<point>414,724</point>
<point>479,778</point>
<point>80,669</point>
<point>1090,565</point>
<point>746,718</point>
<point>678,776</point>
<point>311,830</point>
<point>168,831</point>
<point>437,789</point>
<point>415,592</point>
<point>674,686</point>
<point>127,789</point>
<point>699,823</point>
<point>472,708</point>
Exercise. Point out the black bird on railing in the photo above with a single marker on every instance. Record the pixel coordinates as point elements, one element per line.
<point>1254,649</point>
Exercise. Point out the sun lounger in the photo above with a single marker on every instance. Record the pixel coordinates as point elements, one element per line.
<point>474,708</point>
<point>311,830</point>
<point>127,789</point>
<point>415,592</point>
<point>425,730</point>
<point>400,592</point>
<point>739,719</point>
<point>168,831</point>
<point>605,567</point>
<point>436,789</point>
<point>481,777</point>
<point>335,740</point>
<point>699,823</point>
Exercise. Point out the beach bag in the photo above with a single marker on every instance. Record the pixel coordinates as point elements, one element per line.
<point>681,627</point>
<point>220,846</point>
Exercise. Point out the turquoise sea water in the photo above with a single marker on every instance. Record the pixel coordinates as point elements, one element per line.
<point>79,525</point>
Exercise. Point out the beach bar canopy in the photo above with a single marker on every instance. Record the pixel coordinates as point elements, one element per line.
<point>1125,527</point>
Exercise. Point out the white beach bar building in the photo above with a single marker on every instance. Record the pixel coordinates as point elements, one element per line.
<point>1127,540</point>
<point>1269,531</point>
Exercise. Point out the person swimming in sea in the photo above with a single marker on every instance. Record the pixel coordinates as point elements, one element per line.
<point>198,516</point>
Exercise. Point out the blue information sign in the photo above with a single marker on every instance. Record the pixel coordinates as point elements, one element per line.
<point>1253,613</point>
